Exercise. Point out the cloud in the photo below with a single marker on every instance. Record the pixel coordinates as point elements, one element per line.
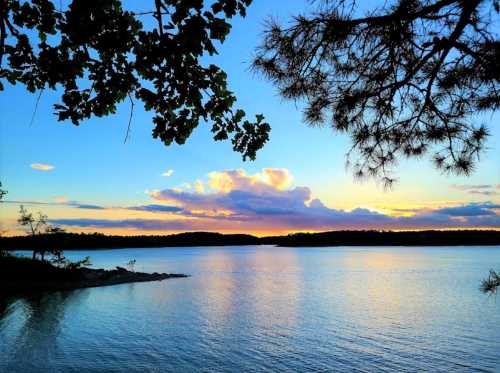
<point>199,187</point>
<point>280,220</point>
<point>137,224</point>
<point>483,192</point>
<point>225,181</point>
<point>60,199</point>
<point>266,202</point>
<point>469,187</point>
<point>156,208</point>
<point>85,206</point>
<point>471,209</point>
<point>42,166</point>
<point>477,189</point>
<point>168,173</point>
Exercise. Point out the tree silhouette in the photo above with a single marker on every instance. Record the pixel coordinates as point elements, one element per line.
<point>131,265</point>
<point>402,81</point>
<point>39,229</point>
<point>491,283</point>
<point>100,54</point>
<point>35,226</point>
<point>3,192</point>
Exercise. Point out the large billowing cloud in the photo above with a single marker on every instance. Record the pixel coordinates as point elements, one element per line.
<point>269,178</point>
<point>266,202</point>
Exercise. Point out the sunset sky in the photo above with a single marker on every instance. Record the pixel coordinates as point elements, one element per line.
<point>86,179</point>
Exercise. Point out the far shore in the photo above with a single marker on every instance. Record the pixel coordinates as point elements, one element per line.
<point>98,241</point>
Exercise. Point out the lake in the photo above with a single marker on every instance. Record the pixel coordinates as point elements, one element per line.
<point>258,308</point>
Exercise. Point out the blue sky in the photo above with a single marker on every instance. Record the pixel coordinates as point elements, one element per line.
<point>93,165</point>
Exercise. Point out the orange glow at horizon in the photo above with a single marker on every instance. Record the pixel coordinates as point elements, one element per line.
<point>263,203</point>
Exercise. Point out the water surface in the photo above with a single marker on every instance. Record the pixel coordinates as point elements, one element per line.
<point>255,308</point>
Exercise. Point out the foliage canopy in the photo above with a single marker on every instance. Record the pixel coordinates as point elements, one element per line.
<point>101,54</point>
<point>404,80</point>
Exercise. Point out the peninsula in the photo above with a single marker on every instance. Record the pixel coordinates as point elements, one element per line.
<point>21,275</point>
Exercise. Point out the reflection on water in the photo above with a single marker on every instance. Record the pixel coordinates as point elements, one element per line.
<point>275,287</point>
<point>258,308</point>
<point>35,322</point>
<point>216,298</point>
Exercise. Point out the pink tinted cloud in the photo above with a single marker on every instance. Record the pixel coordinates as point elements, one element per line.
<point>266,201</point>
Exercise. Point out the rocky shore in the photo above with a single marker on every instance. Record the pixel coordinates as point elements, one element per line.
<point>26,275</point>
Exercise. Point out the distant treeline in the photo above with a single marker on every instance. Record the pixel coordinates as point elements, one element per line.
<point>75,241</point>
<point>389,238</point>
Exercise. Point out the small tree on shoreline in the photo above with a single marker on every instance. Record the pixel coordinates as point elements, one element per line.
<point>2,194</point>
<point>38,227</point>
<point>492,283</point>
<point>60,260</point>
<point>131,265</point>
<point>43,239</point>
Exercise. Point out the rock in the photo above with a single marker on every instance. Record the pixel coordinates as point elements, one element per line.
<point>24,275</point>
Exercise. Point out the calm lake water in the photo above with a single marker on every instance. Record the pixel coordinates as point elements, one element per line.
<point>258,308</point>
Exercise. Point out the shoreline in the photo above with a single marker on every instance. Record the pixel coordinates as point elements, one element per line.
<point>130,278</point>
<point>24,275</point>
<point>284,245</point>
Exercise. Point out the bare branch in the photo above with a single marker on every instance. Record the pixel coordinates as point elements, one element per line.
<point>129,119</point>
